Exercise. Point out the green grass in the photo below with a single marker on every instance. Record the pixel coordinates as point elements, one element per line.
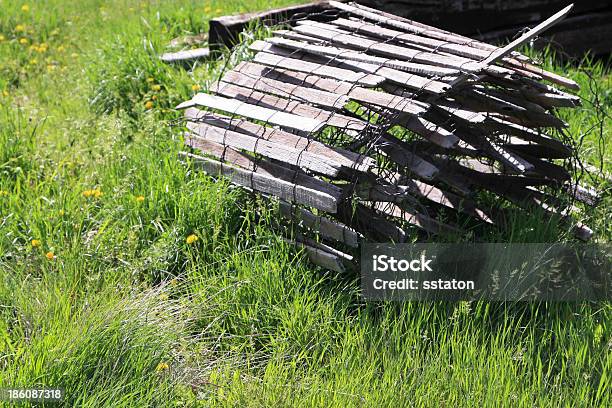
<point>238,317</point>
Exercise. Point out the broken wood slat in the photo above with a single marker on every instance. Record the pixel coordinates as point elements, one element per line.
<point>586,195</point>
<point>396,76</point>
<point>447,199</point>
<point>350,125</point>
<point>372,224</point>
<point>328,228</point>
<point>345,158</point>
<point>186,56</point>
<point>270,58</point>
<point>290,192</point>
<point>408,25</point>
<point>320,257</point>
<point>353,92</point>
<point>486,175</point>
<point>289,91</point>
<point>431,132</point>
<point>527,116</point>
<point>227,155</point>
<point>526,37</point>
<point>392,147</point>
<point>326,32</point>
<point>531,135</point>
<point>363,27</point>
<point>536,150</point>
<point>553,100</point>
<point>422,221</point>
<point>255,112</point>
<point>402,187</point>
<point>342,53</point>
<point>266,148</point>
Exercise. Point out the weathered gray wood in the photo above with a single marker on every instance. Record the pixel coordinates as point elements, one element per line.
<point>345,39</point>
<point>353,92</point>
<point>270,58</point>
<point>276,117</point>
<point>186,56</point>
<point>301,110</point>
<point>328,228</point>
<point>378,31</point>
<point>227,155</point>
<point>393,75</point>
<point>259,182</point>
<point>343,53</point>
<point>285,90</point>
<point>320,257</point>
<point>267,148</point>
<point>343,157</point>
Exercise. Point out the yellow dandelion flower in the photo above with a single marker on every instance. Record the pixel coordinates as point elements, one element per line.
<point>87,193</point>
<point>2,38</point>
<point>191,239</point>
<point>140,198</point>
<point>207,9</point>
<point>61,48</point>
<point>218,11</point>
<point>61,213</point>
<point>43,47</point>
<point>195,87</point>
<point>97,193</point>
<point>50,255</point>
<point>149,105</point>
<point>35,243</point>
<point>149,79</point>
<point>25,8</point>
<point>5,93</point>
<point>154,97</point>
<point>23,41</point>
<point>19,28</point>
<point>33,61</point>
<point>162,367</point>
<point>156,87</point>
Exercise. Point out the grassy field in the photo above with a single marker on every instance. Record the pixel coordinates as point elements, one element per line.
<point>103,293</point>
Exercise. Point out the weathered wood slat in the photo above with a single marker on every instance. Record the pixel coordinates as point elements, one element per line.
<point>295,108</point>
<point>377,31</point>
<point>227,155</point>
<point>259,182</point>
<point>353,92</point>
<point>396,76</point>
<point>328,228</point>
<point>270,58</point>
<point>320,257</point>
<point>408,25</point>
<point>289,91</point>
<point>422,221</point>
<point>276,117</point>
<point>326,32</point>
<point>343,53</point>
<point>277,151</point>
<point>343,157</point>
